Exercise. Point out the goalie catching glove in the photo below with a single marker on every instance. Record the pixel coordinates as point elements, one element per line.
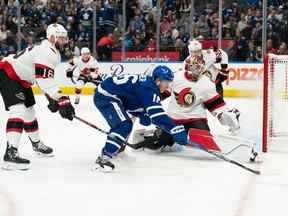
<point>230,118</point>
<point>63,105</point>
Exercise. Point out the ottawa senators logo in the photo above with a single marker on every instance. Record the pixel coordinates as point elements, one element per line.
<point>185,97</point>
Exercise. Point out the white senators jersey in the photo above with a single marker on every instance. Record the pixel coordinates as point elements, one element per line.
<point>212,61</point>
<point>34,65</point>
<point>86,67</point>
<point>191,99</point>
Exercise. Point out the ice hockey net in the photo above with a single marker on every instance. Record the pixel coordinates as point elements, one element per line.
<point>275,99</point>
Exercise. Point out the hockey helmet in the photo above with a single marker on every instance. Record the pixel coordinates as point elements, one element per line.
<point>163,73</point>
<point>56,30</point>
<point>194,47</point>
<point>85,50</point>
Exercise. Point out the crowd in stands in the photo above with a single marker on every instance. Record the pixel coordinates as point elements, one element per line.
<point>242,25</point>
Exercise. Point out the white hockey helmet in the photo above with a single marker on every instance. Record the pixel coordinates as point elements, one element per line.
<point>194,47</point>
<point>85,50</point>
<point>56,30</point>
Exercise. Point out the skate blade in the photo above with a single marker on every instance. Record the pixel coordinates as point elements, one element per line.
<point>9,166</point>
<point>171,149</point>
<point>41,155</point>
<point>105,169</point>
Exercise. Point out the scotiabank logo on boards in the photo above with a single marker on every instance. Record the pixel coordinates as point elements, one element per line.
<point>245,73</point>
<point>144,56</point>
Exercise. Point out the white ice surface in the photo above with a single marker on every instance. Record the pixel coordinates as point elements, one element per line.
<point>144,184</point>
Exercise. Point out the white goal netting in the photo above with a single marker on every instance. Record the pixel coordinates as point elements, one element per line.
<point>275,100</point>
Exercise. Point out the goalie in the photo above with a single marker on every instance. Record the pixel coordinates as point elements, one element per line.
<point>192,94</point>
<point>88,67</point>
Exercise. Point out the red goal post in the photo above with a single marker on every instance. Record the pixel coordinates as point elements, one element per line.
<point>275,100</point>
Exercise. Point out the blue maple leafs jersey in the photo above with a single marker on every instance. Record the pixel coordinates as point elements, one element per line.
<point>139,95</point>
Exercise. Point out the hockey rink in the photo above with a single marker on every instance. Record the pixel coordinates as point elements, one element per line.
<point>184,183</point>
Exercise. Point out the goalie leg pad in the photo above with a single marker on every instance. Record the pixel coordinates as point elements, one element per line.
<point>203,138</point>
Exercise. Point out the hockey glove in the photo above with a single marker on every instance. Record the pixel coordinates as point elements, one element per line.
<point>179,135</point>
<point>66,110</point>
<point>53,104</point>
<point>69,73</point>
<point>222,75</point>
<point>230,118</point>
<point>84,78</point>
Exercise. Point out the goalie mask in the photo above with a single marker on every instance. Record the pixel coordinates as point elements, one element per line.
<point>194,67</point>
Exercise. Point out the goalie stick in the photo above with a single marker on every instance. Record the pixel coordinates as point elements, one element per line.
<point>191,144</point>
<point>224,158</point>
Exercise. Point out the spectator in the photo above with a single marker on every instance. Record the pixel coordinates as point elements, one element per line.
<point>232,50</point>
<point>138,45</point>
<point>251,54</point>
<point>258,54</point>
<point>85,16</point>
<point>146,5</point>
<point>165,26</point>
<point>3,33</point>
<point>137,25</point>
<point>242,24</point>
<point>257,34</point>
<point>179,46</point>
<point>83,35</point>
<point>270,48</point>
<point>3,50</point>
<point>166,41</point>
<point>283,49</point>
<point>202,26</point>
<point>104,47</point>
<point>11,24</point>
<point>109,17</point>
<point>151,46</point>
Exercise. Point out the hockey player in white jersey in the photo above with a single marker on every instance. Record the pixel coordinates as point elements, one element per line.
<point>88,68</point>
<point>192,94</point>
<point>215,62</point>
<point>34,65</point>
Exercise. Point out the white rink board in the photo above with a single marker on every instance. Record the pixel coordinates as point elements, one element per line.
<point>243,76</point>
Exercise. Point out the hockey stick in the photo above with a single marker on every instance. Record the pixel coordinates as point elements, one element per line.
<point>95,82</point>
<point>192,144</point>
<point>224,158</point>
<point>99,129</point>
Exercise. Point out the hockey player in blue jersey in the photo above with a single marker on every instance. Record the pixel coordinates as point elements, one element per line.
<point>138,95</point>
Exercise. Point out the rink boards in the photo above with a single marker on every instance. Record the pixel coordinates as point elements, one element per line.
<point>245,79</point>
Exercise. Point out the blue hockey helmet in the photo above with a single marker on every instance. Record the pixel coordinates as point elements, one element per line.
<point>163,73</point>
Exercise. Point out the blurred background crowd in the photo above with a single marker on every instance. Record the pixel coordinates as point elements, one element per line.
<point>242,25</point>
